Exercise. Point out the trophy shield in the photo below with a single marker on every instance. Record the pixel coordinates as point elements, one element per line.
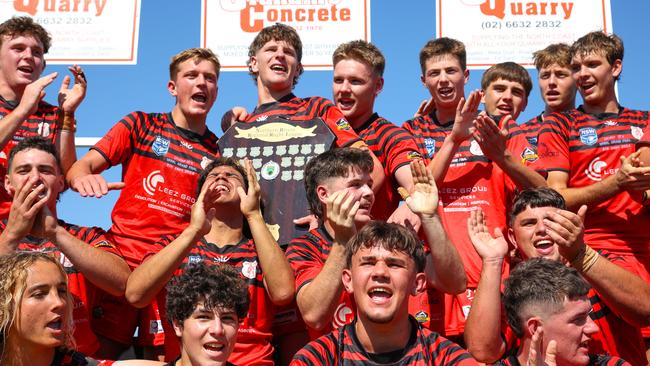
<point>279,149</point>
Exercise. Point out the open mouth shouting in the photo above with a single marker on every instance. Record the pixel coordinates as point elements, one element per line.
<point>380,295</point>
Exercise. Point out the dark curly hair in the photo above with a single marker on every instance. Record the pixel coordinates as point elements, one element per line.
<point>36,143</point>
<point>217,286</point>
<point>25,26</point>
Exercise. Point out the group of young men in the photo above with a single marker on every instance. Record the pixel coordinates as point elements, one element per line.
<point>352,290</point>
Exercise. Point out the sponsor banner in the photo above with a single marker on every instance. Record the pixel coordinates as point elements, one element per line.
<point>511,30</point>
<point>229,26</point>
<point>84,31</point>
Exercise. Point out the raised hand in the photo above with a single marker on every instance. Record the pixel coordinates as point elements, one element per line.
<point>342,206</point>
<point>71,97</point>
<point>632,175</point>
<point>566,229</point>
<point>488,247</point>
<point>466,112</point>
<point>28,202</point>
<point>94,185</point>
<point>536,354</point>
<point>490,138</point>
<point>34,93</point>
<point>250,201</point>
<point>426,107</point>
<point>423,201</point>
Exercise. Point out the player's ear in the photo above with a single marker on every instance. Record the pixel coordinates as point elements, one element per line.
<point>379,86</point>
<point>617,68</point>
<point>322,193</point>
<point>466,75</point>
<point>9,187</point>
<point>420,283</point>
<point>171,86</point>
<point>532,324</point>
<point>511,237</point>
<point>178,328</point>
<point>347,280</point>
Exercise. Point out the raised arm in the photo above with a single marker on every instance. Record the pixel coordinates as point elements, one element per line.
<point>84,176</point>
<point>278,275</point>
<point>69,100</point>
<point>483,334</point>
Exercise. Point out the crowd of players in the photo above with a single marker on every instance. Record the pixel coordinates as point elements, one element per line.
<point>516,244</point>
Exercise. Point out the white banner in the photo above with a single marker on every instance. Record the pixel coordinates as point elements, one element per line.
<point>511,30</point>
<point>84,31</point>
<point>229,26</point>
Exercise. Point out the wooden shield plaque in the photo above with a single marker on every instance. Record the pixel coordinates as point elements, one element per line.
<point>279,149</point>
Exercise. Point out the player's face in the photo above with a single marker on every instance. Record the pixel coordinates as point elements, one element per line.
<point>503,97</point>
<point>355,87</point>
<point>557,87</point>
<point>22,61</point>
<point>529,232</point>
<point>43,308</point>
<point>381,282</point>
<point>595,77</point>
<point>445,80</point>
<point>36,167</point>
<point>226,179</point>
<point>571,328</point>
<point>276,65</point>
<point>358,184</point>
<point>195,87</point>
<point>208,336</point>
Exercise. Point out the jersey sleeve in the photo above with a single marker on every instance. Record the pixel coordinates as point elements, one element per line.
<point>305,261</point>
<point>553,145</point>
<point>446,353</point>
<point>340,127</point>
<point>95,237</point>
<point>322,351</point>
<point>400,147</point>
<point>117,145</point>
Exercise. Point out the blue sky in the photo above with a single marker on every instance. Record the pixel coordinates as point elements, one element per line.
<point>399,29</point>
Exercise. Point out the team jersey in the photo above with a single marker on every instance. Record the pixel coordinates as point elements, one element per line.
<point>83,292</point>
<point>394,147</point>
<point>523,141</point>
<point>307,255</point>
<point>161,164</point>
<point>44,122</point>
<point>253,345</point>
<point>342,347</point>
<point>472,181</point>
<point>594,360</point>
<point>72,358</point>
<point>588,148</point>
<point>305,109</point>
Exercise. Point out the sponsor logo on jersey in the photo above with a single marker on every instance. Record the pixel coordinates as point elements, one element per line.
<point>637,132</point>
<point>430,145</point>
<point>588,135</point>
<point>261,118</point>
<point>528,155</point>
<point>186,145</point>
<point>65,262</point>
<point>532,140</point>
<point>342,124</point>
<point>249,269</point>
<point>270,170</point>
<point>595,169</point>
<point>421,316</point>
<point>412,155</point>
<point>475,148</point>
<point>342,316</point>
<point>151,182</point>
<point>221,259</point>
<point>104,244</point>
<point>194,259</point>
<point>610,122</point>
<point>160,146</point>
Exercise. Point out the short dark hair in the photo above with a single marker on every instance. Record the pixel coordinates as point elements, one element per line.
<point>332,164</point>
<point>533,198</point>
<point>36,143</point>
<point>540,283</point>
<point>217,286</point>
<point>510,71</point>
<point>276,32</point>
<point>221,161</point>
<point>556,53</point>
<point>392,237</point>
<point>440,47</point>
<point>25,26</point>
<point>598,42</point>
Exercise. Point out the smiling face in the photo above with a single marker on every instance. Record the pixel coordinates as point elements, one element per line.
<point>225,179</point>
<point>207,337</point>
<point>503,97</point>
<point>43,308</point>
<point>445,80</point>
<point>195,87</point>
<point>358,184</point>
<point>595,77</point>
<point>22,60</point>
<point>276,66</point>
<point>557,87</point>
<point>571,328</point>
<point>355,87</point>
<point>529,233</point>
<point>381,282</point>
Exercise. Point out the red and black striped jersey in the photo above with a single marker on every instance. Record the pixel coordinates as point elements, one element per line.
<point>253,345</point>
<point>161,164</point>
<point>342,347</point>
<point>44,122</point>
<point>523,141</point>
<point>588,148</point>
<point>305,109</point>
<point>594,360</point>
<point>83,292</point>
<point>73,358</point>
<point>394,147</point>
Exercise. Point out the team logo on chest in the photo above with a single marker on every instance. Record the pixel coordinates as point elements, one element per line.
<point>160,146</point>
<point>528,155</point>
<point>430,145</point>
<point>249,269</point>
<point>342,316</point>
<point>194,259</point>
<point>637,132</point>
<point>475,148</point>
<point>205,162</point>
<point>588,135</point>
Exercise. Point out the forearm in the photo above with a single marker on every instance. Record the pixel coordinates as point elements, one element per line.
<point>278,275</point>
<point>589,195</point>
<point>621,290</point>
<point>105,270</point>
<point>442,159</point>
<point>445,269</point>
<point>10,124</point>
<point>483,325</point>
<point>151,276</point>
<point>318,300</point>
<point>523,176</point>
<point>8,242</point>
<point>65,143</point>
